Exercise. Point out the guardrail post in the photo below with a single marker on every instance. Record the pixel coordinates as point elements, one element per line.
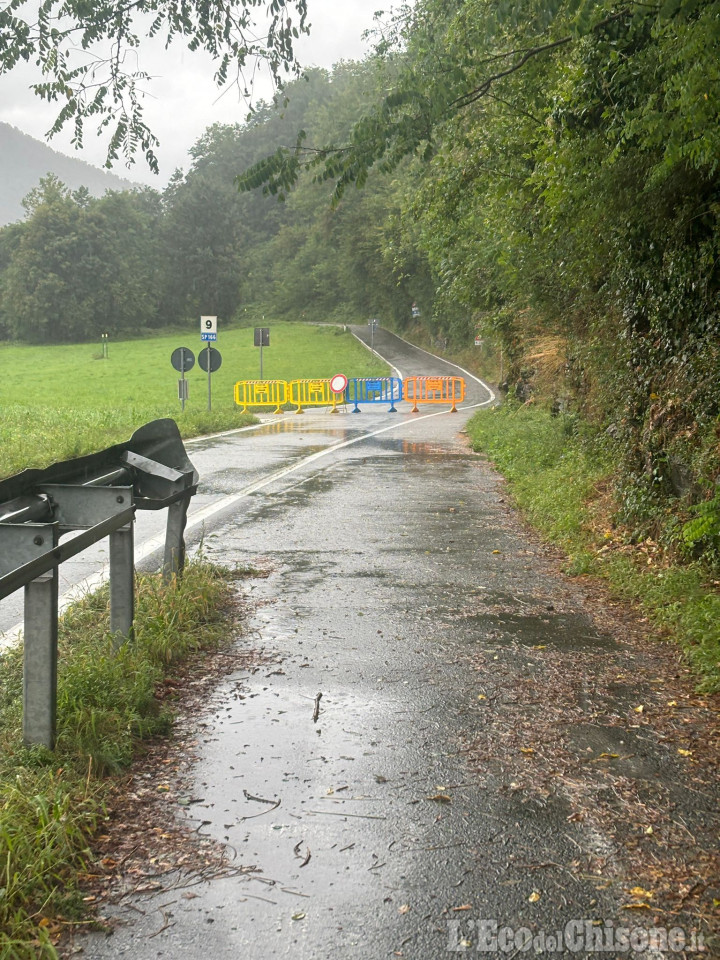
<point>40,660</point>
<point>174,559</point>
<point>122,582</point>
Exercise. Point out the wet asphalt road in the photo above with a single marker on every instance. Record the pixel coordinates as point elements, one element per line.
<point>377,551</point>
<point>231,466</point>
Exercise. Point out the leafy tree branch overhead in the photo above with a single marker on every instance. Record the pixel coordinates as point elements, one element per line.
<point>88,54</point>
<point>443,58</point>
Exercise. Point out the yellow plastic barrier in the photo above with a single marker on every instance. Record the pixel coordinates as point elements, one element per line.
<point>312,393</point>
<point>434,390</point>
<point>261,393</point>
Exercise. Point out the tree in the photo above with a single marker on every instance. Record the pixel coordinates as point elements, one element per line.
<point>81,50</point>
<point>77,266</point>
<point>443,58</point>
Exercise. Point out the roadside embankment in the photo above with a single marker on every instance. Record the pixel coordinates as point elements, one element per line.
<point>560,475</point>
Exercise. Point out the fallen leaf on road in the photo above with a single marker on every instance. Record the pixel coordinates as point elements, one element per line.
<point>298,916</point>
<point>405,908</point>
<point>441,798</point>
<point>639,709</point>
<point>465,906</point>
<point>534,896</point>
<point>526,750</point>
<point>641,892</point>
<point>684,753</point>
<point>637,906</point>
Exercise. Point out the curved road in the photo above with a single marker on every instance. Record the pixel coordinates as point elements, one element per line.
<point>409,819</point>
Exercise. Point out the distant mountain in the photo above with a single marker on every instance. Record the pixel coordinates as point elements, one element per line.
<point>24,160</point>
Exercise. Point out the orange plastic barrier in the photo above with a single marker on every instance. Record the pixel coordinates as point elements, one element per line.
<point>434,390</point>
<point>261,393</point>
<point>313,393</point>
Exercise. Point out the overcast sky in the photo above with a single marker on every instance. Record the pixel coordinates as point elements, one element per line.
<point>183,99</point>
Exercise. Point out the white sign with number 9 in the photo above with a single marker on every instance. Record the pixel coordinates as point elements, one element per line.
<point>208,324</point>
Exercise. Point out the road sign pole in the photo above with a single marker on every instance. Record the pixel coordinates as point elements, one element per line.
<point>372,324</point>
<point>182,388</point>
<point>261,338</point>
<point>182,359</point>
<point>209,378</point>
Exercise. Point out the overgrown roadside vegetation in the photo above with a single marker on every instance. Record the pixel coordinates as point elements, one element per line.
<point>108,703</point>
<point>561,473</point>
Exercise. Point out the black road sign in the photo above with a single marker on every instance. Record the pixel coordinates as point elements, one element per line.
<point>183,359</point>
<point>215,359</point>
<point>262,337</point>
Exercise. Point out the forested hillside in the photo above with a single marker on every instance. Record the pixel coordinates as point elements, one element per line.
<point>25,160</point>
<point>547,174</point>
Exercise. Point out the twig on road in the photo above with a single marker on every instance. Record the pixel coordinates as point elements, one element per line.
<point>255,815</point>
<point>337,813</point>
<point>308,855</point>
<point>249,796</point>
<point>166,924</point>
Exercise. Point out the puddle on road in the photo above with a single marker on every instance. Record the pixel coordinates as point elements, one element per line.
<point>232,478</point>
<point>532,629</point>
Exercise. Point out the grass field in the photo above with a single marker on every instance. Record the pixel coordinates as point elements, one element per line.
<point>58,402</point>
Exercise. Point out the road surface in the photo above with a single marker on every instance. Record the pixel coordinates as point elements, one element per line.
<point>403,591</point>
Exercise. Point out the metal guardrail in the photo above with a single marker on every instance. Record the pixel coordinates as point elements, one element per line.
<point>95,497</point>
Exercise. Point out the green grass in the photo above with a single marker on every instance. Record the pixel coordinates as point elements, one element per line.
<point>555,469</point>
<point>51,803</point>
<point>64,401</point>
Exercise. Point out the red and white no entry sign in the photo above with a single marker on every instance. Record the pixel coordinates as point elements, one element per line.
<point>338,383</point>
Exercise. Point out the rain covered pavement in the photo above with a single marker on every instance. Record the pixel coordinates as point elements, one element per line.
<point>399,585</point>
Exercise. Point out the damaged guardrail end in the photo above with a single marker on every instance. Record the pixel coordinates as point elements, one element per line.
<point>94,497</point>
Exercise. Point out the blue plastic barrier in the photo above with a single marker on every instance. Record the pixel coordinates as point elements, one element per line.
<point>374,390</point>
